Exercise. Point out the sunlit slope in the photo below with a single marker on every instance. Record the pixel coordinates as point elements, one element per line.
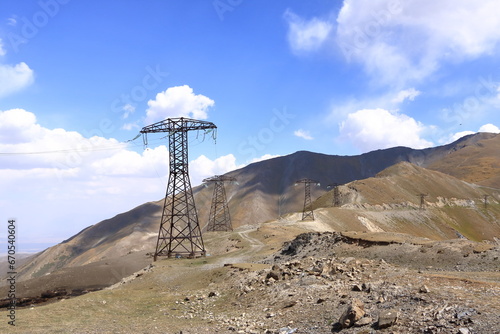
<point>391,202</point>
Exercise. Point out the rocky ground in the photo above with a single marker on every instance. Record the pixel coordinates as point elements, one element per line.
<point>319,282</point>
<point>324,283</point>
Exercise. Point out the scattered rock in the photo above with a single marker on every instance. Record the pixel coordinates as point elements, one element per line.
<point>287,330</point>
<point>387,318</point>
<point>353,313</point>
<point>363,322</point>
<point>272,274</point>
<point>424,289</point>
<point>290,304</point>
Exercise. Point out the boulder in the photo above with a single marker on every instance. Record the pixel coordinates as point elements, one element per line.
<point>353,313</point>
<point>387,318</point>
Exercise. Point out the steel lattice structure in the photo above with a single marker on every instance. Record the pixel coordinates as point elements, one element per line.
<point>219,219</point>
<point>307,212</point>
<point>422,200</point>
<point>336,194</point>
<point>179,233</point>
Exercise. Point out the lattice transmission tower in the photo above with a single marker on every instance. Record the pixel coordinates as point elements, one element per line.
<point>486,201</point>
<point>422,200</point>
<point>179,233</point>
<point>307,212</point>
<point>336,194</point>
<point>219,219</point>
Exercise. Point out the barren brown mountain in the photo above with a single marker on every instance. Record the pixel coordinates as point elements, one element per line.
<point>475,161</point>
<point>380,195</point>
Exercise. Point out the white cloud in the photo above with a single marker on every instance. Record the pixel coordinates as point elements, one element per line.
<point>265,157</point>
<point>489,128</point>
<point>179,101</point>
<point>131,163</point>
<point>455,136</point>
<point>14,78</point>
<point>402,41</point>
<point>202,167</point>
<point>409,94</point>
<point>303,134</point>
<point>306,35</point>
<point>391,100</point>
<point>370,129</point>
<point>33,146</point>
<point>56,182</point>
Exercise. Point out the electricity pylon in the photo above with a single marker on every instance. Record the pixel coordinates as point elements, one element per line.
<point>219,219</point>
<point>486,201</point>
<point>336,194</point>
<point>422,200</point>
<point>179,232</point>
<point>307,212</point>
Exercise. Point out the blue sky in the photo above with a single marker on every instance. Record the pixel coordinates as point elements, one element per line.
<point>80,78</point>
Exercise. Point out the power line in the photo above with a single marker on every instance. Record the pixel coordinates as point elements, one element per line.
<point>71,150</point>
<point>63,151</point>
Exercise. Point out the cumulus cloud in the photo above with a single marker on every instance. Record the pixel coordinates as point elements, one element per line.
<point>14,78</point>
<point>179,101</point>
<point>34,146</point>
<point>400,41</point>
<point>306,35</point>
<point>54,176</point>
<point>265,157</point>
<point>202,167</point>
<point>370,129</point>
<point>303,134</point>
<point>489,128</point>
<point>125,162</point>
<point>456,136</point>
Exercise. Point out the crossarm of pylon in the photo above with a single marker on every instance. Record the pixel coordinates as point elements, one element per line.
<point>178,124</point>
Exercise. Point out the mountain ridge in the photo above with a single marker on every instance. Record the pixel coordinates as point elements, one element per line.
<point>266,192</point>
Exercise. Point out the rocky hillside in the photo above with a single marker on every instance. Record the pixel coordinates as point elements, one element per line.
<point>316,283</point>
<point>475,159</point>
<point>266,191</point>
<point>391,202</point>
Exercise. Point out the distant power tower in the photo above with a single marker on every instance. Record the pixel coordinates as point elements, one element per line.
<point>486,202</point>
<point>336,194</point>
<point>307,212</point>
<point>219,219</point>
<point>422,200</point>
<point>180,232</point>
